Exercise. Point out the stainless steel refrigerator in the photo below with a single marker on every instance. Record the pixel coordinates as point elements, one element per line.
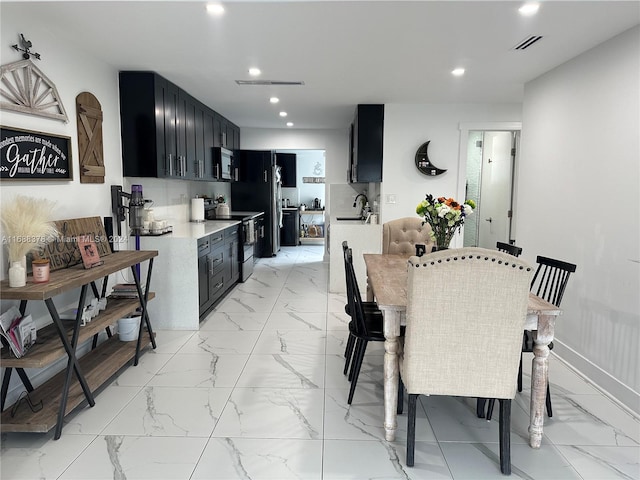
<point>258,188</point>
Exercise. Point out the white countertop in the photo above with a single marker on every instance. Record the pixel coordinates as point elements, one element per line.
<point>199,230</point>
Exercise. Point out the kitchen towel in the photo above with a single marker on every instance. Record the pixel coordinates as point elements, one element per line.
<point>197,209</point>
<point>251,234</point>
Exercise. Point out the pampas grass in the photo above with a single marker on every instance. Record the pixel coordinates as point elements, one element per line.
<point>26,225</point>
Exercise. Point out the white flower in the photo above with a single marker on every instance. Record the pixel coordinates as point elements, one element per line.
<point>467,209</point>
<point>443,210</point>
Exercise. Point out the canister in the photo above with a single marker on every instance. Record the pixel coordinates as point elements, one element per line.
<point>40,269</point>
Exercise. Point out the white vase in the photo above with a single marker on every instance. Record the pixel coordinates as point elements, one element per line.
<point>18,273</point>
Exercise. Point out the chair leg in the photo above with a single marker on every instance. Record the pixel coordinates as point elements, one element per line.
<point>505,436</point>
<point>348,353</point>
<point>548,402</point>
<point>356,353</point>
<point>400,406</point>
<point>490,404</point>
<point>520,374</point>
<point>355,369</point>
<point>480,403</point>
<point>411,429</point>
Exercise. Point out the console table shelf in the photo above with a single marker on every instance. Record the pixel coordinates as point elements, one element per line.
<point>48,348</point>
<point>99,365</point>
<point>66,391</point>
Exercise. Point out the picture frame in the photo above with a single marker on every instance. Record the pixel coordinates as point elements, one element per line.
<point>33,155</point>
<point>88,251</point>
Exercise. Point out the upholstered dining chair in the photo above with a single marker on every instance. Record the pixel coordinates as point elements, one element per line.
<point>402,235</point>
<point>549,282</point>
<point>371,307</point>
<point>451,296</point>
<point>480,407</point>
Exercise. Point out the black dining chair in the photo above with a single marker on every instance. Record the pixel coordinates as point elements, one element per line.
<point>367,306</point>
<point>508,248</point>
<point>366,324</point>
<point>549,282</point>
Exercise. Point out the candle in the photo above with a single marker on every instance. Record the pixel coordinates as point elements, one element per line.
<point>40,270</point>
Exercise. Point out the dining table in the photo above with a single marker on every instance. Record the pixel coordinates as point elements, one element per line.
<point>387,285</point>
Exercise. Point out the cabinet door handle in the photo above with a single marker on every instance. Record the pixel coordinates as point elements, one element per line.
<point>235,174</point>
<point>217,171</point>
<point>265,176</point>
<point>184,166</point>
<point>169,170</point>
<point>218,285</point>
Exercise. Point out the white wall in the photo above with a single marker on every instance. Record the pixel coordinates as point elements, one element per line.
<point>579,201</point>
<point>72,71</point>
<point>406,127</point>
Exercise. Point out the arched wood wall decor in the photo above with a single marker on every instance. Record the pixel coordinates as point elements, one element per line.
<point>89,113</point>
<point>25,89</point>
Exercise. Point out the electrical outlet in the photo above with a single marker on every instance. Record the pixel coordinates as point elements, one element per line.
<point>390,198</point>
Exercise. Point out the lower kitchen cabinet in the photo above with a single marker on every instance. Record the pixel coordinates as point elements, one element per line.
<point>218,266</point>
<point>290,231</point>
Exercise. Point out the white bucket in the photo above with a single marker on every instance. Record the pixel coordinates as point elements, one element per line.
<point>128,328</point>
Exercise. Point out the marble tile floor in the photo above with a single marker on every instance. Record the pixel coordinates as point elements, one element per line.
<point>258,393</point>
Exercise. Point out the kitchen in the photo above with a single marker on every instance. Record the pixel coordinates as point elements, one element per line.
<point>75,69</point>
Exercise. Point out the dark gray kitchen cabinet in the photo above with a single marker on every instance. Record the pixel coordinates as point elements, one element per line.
<point>218,266</point>
<point>366,144</point>
<point>289,232</point>
<point>167,133</point>
<point>287,164</point>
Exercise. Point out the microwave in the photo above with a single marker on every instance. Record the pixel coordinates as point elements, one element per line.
<point>222,162</point>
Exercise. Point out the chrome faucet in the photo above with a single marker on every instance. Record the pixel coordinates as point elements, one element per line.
<point>364,202</point>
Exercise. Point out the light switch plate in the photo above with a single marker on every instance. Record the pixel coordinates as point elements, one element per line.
<point>390,198</point>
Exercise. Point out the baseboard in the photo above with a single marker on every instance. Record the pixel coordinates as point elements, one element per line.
<point>613,388</point>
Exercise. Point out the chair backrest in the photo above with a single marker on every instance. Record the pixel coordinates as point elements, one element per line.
<point>551,278</point>
<point>354,301</point>
<point>401,235</point>
<point>508,248</point>
<point>466,310</point>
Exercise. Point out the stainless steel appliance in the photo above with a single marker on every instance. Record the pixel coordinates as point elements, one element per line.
<point>223,159</point>
<point>259,189</point>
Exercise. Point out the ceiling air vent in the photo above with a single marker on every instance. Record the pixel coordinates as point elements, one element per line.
<point>527,42</point>
<point>267,82</point>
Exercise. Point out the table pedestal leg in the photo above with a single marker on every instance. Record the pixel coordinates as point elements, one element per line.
<point>391,373</point>
<point>539,378</point>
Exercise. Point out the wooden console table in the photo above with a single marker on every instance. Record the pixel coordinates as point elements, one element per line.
<point>61,394</point>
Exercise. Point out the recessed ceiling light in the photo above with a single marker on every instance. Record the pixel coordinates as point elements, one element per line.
<point>254,72</point>
<point>528,9</point>
<point>274,99</point>
<point>458,72</point>
<point>215,8</point>
<point>283,114</point>
<point>289,124</point>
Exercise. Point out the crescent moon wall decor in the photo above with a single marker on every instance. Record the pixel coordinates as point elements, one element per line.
<point>424,164</point>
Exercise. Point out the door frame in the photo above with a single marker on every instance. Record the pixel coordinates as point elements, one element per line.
<point>465,128</point>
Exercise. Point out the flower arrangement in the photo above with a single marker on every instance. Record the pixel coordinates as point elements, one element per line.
<point>26,225</point>
<point>445,216</point>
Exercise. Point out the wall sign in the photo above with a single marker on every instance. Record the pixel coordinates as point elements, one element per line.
<point>27,155</point>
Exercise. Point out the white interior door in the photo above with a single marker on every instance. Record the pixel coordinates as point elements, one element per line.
<point>494,210</point>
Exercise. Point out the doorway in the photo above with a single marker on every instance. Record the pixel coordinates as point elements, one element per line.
<point>490,173</point>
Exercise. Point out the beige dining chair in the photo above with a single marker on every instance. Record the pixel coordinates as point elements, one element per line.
<point>466,310</point>
<point>402,235</point>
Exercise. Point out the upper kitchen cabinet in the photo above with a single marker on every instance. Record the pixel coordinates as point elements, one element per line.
<point>366,139</point>
<point>166,132</point>
<point>287,163</point>
<point>226,134</point>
